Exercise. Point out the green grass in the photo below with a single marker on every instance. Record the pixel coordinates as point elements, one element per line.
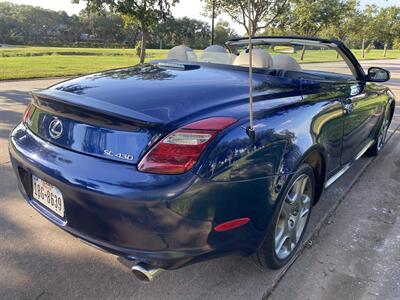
<point>377,54</point>
<point>312,56</point>
<point>57,66</point>
<point>36,62</point>
<point>45,51</point>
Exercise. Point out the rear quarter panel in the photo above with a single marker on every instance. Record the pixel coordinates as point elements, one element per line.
<point>284,136</point>
<point>244,178</point>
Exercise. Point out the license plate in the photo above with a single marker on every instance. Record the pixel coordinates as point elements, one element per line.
<point>48,195</point>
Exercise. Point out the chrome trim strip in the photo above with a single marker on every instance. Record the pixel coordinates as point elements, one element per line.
<point>363,150</point>
<point>347,166</point>
<point>337,176</point>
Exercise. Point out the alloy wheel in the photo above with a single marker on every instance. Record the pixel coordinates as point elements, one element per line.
<point>293,217</point>
<point>383,133</point>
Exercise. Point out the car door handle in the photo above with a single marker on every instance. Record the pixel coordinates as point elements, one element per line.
<point>348,106</point>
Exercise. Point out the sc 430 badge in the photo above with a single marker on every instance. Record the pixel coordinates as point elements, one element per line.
<point>123,156</point>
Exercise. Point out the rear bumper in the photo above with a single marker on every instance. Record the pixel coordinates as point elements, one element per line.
<point>164,220</point>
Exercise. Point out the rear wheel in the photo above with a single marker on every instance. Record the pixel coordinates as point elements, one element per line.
<point>381,139</point>
<point>290,221</point>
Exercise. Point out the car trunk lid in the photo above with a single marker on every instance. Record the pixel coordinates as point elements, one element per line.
<point>92,126</point>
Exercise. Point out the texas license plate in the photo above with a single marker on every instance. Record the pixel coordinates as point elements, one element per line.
<point>48,195</point>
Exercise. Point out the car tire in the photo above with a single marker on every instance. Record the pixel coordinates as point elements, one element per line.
<point>381,138</point>
<point>290,221</point>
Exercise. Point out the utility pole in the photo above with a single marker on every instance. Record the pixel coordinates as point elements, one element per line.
<point>212,23</point>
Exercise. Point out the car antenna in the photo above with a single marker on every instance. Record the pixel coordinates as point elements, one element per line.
<point>250,130</point>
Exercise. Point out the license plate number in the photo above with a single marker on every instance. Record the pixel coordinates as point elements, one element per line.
<point>48,195</point>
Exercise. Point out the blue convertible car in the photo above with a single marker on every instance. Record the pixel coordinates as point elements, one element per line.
<point>156,162</point>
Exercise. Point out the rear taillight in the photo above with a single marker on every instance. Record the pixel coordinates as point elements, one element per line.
<point>26,114</point>
<point>179,151</point>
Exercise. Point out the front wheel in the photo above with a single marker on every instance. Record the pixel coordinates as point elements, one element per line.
<point>381,139</point>
<point>290,221</point>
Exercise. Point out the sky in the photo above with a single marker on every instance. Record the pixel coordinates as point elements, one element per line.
<point>185,8</point>
<point>189,8</point>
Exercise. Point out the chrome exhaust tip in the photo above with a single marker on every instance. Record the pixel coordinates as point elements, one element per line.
<point>145,272</point>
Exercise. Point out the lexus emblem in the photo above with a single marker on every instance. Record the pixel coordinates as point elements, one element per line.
<point>56,128</point>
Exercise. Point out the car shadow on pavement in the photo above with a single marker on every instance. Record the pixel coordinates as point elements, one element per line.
<point>15,96</point>
<point>8,119</point>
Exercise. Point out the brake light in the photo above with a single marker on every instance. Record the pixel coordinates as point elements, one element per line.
<point>26,114</point>
<point>179,151</point>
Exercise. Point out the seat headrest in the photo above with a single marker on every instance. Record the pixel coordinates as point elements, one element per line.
<point>216,54</point>
<point>182,53</point>
<point>286,62</point>
<point>216,48</point>
<point>261,59</point>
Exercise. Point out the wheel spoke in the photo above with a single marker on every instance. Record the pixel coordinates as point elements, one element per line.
<point>278,236</point>
<point>298,189</point>
<point>298,186</point>
<point>292,195</point>
<point>304,212</point>
<point>301,223</point>
<point>280,230</point>
<point>383,133</point>
<point>305,200</point>
<point>303,184</point>
<point>280,244</point>
<point>293,237</point>
<point>281,238</point>
<point>286,210</point>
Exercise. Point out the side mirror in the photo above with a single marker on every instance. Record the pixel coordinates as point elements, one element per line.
<point>376,74</point>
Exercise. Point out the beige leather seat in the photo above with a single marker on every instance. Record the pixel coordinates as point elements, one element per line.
<point>261,59</point>
<point>216,49</point>
<point>216,54</point>
<point>286,62</point>
<point>182,53</point>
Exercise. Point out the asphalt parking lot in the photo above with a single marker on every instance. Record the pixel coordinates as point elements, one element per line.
<point>352,253</point>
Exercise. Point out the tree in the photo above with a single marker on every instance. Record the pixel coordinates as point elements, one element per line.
<point>145,13</point>
<point>352,26</point>
<point>223,32</point>
<point>310,17</point>
<point>361,26</point>
<point>262,15</point>
<point>387,26</point>
<point>26,24</point>
<point>106,27</point>
<point>9,26</point>
<point>190,32</point>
